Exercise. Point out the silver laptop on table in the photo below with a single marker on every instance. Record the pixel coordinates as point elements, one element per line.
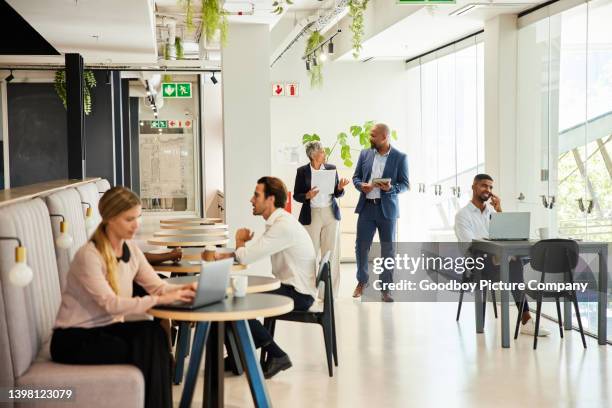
<point>212,285</point>
<point>509,226</point>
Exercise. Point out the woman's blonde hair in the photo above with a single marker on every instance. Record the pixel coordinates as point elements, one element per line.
<point>113,202</point>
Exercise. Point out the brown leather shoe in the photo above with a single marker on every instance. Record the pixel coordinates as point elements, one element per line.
<point>359,289</point>
<point>386,297</point>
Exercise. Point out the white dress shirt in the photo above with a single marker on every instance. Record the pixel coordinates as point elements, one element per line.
<point>378,166</point>
<point>471,223</point>
<point>320,200</point>
<point>290,249</point>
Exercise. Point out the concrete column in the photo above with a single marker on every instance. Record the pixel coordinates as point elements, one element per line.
<point>500,53</point>
<point>246,116</point>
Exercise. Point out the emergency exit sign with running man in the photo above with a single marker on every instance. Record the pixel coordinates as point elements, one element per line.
<point>176,90</point>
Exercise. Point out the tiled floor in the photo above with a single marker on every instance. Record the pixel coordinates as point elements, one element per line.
<point>415,354</point>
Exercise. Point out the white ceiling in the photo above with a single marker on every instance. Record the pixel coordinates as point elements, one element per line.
<point>431,27</point>
<point>109,31</point>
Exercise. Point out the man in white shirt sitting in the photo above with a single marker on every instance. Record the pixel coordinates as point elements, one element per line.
<point>290,249</point>
<point>472,222</point>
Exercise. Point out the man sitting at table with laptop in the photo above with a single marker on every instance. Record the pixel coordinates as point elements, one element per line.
<point>473,222</point>
<point>290,249</point>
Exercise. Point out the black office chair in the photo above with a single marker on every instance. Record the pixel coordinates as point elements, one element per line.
<point>325,318</point>
<point>558,258</point>
<point>484,298</point>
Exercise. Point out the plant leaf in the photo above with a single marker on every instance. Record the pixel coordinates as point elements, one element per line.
<point>394,134</point>
<point>348,163</point>
<point>355,130</point>
<point>327,151</point>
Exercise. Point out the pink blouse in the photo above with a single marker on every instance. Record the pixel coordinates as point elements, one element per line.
<point>88,300</point>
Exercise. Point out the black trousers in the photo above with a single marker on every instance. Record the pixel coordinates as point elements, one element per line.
<point>141,343</point>
<point>301,302</point>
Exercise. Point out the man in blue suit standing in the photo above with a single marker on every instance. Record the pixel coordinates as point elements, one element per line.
<point>378,205</point>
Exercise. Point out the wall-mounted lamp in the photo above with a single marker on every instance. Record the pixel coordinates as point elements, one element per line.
<point>90,222</point>
<point>20,274</point>
<point>64,240</point>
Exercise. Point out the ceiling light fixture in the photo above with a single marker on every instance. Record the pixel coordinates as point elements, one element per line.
<point>330,47</point>
<point>308,64</point>
<point>213,79</point>
<point>10,77</point>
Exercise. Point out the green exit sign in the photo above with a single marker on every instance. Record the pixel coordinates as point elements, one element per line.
<point>176,89</point>
<point>159,124</point>
<point>421,2</point>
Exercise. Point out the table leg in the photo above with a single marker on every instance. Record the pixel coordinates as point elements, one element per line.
<point>182,346</point>
<point>199,339</point>
<point>567,314</point>
<point>505,298</point>
<point>478,309</point>
<point>602,301</point>
<point>232,349</point>
<point>253,369</point>
<point>213,367</point>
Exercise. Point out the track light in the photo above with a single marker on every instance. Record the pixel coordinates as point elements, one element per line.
<point>213,79</point>
<point>307,64</point>
<point>315,61</point>
<point>10,77</point>
<point>330,47</point>
<point>323,57</point>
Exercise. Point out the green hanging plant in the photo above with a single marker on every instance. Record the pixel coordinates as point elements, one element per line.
<point>187,6</point>
<point>166,51</point>
<point>278,6</point>
<point>214,18</point>
<point>178,45</point>
<point>356,10</point>
<point>89,81</point>
<point>315,73</point>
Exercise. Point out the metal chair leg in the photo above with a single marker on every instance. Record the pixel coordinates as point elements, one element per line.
<point>518,318</point>
<point>494,303</point>
<point>537,324</point>
<point>560,321</point>
<point>575,301</point>
<point>459,305</point>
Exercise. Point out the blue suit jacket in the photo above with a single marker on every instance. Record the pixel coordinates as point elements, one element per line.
<point>303,179</point>
<point>396,168</point>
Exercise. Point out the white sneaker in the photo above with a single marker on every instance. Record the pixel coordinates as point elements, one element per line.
<point>529,328</point>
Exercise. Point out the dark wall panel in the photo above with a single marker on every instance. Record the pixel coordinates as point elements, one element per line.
<point>38,148</point>
<point>99,131</point>
<point>134,145</point>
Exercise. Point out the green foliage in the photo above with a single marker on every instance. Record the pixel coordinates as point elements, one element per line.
<point>89,81</point>
<point>360,133</point>
<point>166,51</point>
<point>356,11</point>
<point>316,74</point>
<point>278,6</point>
<point>178,45</point>
<point>213,19</point>
<point>187,6</point>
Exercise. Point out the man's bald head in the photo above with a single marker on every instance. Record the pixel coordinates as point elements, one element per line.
<point>379,137</point>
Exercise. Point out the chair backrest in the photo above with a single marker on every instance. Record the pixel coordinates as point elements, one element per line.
<point>554,256</point>
<point>103,185</point>
<point>29,311</point>
<point>67,203</point>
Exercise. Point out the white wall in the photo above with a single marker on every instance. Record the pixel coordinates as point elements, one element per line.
<point>246,113</point>
<point>352,93</point>
<point>212,123</point>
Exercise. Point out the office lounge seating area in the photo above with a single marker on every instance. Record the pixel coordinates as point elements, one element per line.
<point>27,314</point>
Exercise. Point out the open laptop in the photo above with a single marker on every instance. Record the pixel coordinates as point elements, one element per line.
<point>509,226</point>
<point>212,285</point>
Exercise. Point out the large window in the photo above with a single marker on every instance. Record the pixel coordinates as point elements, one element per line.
<point>564,129</point>
<point>446,124</point>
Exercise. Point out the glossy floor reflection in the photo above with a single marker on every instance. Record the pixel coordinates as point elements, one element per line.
<point>415,354</point>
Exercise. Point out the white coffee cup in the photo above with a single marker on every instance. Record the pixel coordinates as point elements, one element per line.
<point>209,253</point>
<point>239,285</point>
<point>544,233</point>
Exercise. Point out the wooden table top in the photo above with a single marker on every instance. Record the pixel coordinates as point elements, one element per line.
<point>232,308</point>
<point>23,193</point>
<point>191,233</point>
<point>256,283</point>
<point>188,220</point>
<point>185,267</point>
<point>186,242</point>
<point>193,226</point>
